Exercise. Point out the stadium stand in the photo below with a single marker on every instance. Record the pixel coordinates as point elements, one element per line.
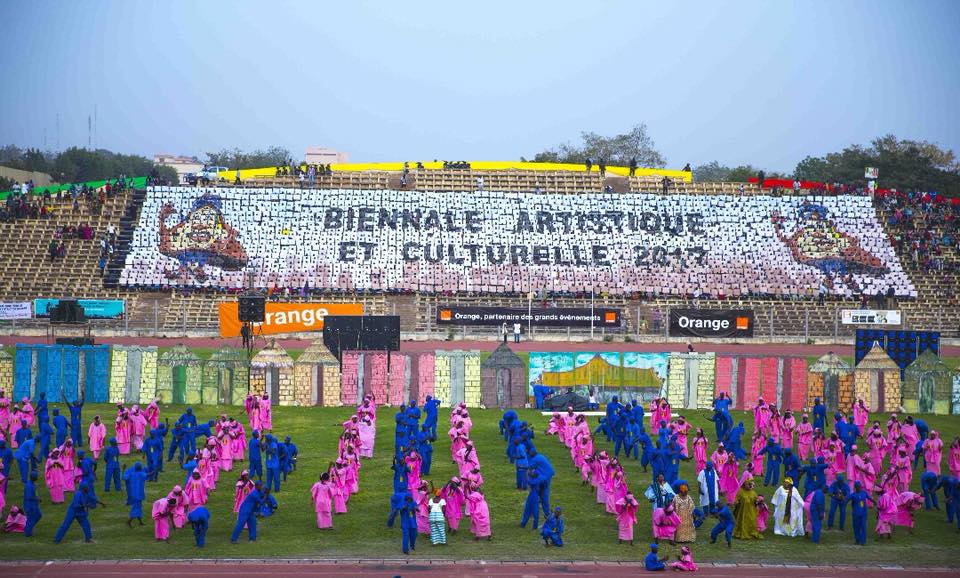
<point>907,244</point>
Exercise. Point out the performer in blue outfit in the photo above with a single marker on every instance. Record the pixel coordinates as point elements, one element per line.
<point>541,464</point>
<point>816,515</point>
<point>858,506</point>
<point>200,520</point>
<point>819,415</point>
<point>724,524</point>
<point>552,529</point>
<point>774,457</point>
<point>31,504</point>
<point>254,459</point>
<point>247,515</point>
<point>839,496</point>
<point>61,427</point>
<point>408,524</point>
<point>83,500</point>
<point>76,423</point>
<point>531,507</point>
<point>111,459</point>
<point>272,463</point>
<point>652,562</point>
<point>135,480</point>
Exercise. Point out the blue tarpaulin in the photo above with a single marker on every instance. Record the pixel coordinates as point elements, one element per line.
<point>57,372</point>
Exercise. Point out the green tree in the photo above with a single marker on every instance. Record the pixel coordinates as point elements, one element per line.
<point>239,159</point>
<point>616,150</point>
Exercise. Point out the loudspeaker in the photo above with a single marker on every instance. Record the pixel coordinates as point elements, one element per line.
<point>361,333</point>
<point>77,341</point>
<point>251,308</point>
<point>67,311</point>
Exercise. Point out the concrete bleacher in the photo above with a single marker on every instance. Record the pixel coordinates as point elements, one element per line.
<point>27,273</point>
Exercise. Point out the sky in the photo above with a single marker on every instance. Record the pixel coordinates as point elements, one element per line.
<point>759,82</point>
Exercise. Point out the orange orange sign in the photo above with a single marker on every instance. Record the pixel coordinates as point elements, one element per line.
<point>284,317</point>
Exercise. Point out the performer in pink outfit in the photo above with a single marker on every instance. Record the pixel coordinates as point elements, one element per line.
<point>860,415</point>
<point>684,561</point>
<point>243,487</point>
<point>122,428</point>
<point>138,428</point>
<point>804,437</point>
<point>322,494</point>
<point>181,502</point>
<point>665,523</point>
<point>933,452</point>
<point>96,433</point>
<point>53,476</point>
<point>16,521</point>
<point>700,443</point>
<point>163,511</point>
<point>953,458</point>
<point>27,412</point>
<point>152,414</point>
<point>479,514</point>
<point>266,413</point>
<point>680,428</point>
<point>626,517</point>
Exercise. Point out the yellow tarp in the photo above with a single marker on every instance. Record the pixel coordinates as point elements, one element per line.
<point>474,165</point>
<point>599,372</point>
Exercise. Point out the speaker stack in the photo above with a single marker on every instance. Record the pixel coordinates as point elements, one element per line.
<point>251,308</point>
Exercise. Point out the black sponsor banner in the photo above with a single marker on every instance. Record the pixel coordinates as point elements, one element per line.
<point>549,317</point>
<point>711,323</point>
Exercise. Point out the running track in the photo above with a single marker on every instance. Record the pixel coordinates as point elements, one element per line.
<point>430,569</point>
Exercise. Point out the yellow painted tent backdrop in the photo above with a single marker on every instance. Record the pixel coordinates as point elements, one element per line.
<point>675,175</point>
<point>285,317</point>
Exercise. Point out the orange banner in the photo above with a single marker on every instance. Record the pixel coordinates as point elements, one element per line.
<point>284,317</point>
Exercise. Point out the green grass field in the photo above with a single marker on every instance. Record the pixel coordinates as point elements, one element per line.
<point>361,533</point>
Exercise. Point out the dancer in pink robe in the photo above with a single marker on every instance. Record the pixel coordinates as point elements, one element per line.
<point>15,424</point>
<point>933,452</point>
<point>953,458</point>
<point>893,429</point>
<point>53,476</point>
<point>322,494</point>
<point>684,561</point>
<point>421,497</point>
<point>181,502</point>
<point>266,413</point>
<point>96,433</point>
<point>756,444</point>
<point>788,425</point>
<point>877,445</point>
<point>225,451</point>
<point>122,429</point>
<point>804,437</point>
<point>138,428</point>
<point>163,513</point>
<point>453,495</point>
<point>654,417</point>
<point>479,515</point>
<point>761,417</point>
<point>909,432</point>
<point>729,478</point>
<point>860,415</point>
<point>680,428</point>
<point>700,443</point>
<point>152,414</point>
<point>16,521</point>
<point>196,491</point>
<point>243,487</point>
<point>27,412</point>
<point>69,466</point>
<point>253,418</point>
<point>616,487</point>
<point>904,469</point>
<point>367,438</point>
<point>665,523</point>
<point>886,512</point>
<point>340,491</point>
<point>626,517</point>
<point>866,475</point>
<point>763,511</point>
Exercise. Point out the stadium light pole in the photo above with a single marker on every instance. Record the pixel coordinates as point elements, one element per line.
<point>591,313</point>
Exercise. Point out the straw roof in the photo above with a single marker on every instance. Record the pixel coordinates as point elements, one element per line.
<point>226,357</point>
<point>830,363</point>
<point>5,355</point>
<point>877,359</point>
<point>927,362</point>
<point>180,355</point>
<point>318,354</point>
<point>502,357</point>
<point>271,356</point>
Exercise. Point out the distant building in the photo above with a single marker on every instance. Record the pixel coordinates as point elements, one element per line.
<point>324,156</point>
<point>183,165</point>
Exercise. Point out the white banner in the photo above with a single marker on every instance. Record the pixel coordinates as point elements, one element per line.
<point>870,316</point>
<point>494,242</point>
<point>15,310</point>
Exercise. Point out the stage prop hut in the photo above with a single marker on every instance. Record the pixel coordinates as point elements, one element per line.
<point>133,374</point>
<point>503,379</point>
<point>830,379</point>
<point>271,371</point>
<point>927,384</point>
<point>224,378</point>
<point>877,382</point>
<point>179,376</point>
<point>316,377</point>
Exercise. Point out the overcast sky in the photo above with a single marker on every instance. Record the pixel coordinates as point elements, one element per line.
<point>765,82</point>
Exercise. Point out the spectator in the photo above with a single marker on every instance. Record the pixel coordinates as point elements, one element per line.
<point>517,328</point>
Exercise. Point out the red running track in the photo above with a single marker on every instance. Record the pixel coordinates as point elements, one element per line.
<point>429,569</point>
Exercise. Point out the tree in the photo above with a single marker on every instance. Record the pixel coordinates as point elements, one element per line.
<point>615,150</point>
<point>712,172</point>
<point>239,159</point>
<point>903,165</point>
